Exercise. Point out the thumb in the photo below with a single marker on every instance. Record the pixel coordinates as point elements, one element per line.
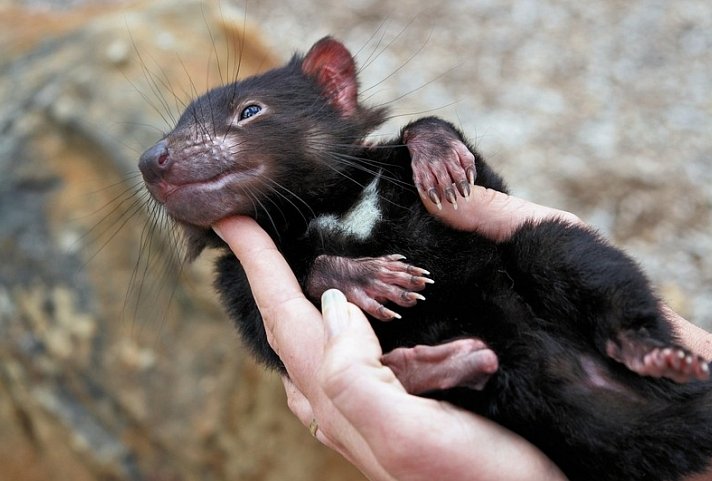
<point>494,214</point>
<point>347,330</point>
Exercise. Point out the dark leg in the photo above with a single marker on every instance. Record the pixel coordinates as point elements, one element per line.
<point>460,363</point>
<point>368,282</point>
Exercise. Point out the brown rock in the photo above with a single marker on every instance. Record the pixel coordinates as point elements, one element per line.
<point>115,361</point>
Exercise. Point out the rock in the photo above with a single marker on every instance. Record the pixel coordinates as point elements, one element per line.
<point>115,361</point>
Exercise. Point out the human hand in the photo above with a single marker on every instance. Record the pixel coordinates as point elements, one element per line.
<point>494,214</point>
<point>335,376</point>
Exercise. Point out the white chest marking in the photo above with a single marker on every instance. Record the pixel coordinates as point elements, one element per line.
<point>360,219</point>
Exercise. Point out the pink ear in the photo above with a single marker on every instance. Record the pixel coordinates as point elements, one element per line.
<point>333,68</point>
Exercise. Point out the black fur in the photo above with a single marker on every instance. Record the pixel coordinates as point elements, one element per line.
<point>546,301</point>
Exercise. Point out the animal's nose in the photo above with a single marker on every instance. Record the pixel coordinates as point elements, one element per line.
<point>154,162</point>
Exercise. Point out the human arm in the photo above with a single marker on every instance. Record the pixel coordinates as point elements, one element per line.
<point>335,376</point>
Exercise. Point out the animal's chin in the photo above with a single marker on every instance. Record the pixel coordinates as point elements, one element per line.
<point>201,204</point>
<point>206,208</point>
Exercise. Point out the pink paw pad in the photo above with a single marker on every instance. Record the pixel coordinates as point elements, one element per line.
<point>460,363</point>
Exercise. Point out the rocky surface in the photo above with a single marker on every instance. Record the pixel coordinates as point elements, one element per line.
<point>115,361</point>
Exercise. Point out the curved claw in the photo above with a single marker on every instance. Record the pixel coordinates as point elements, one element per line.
<point>451,197</point>
<point>464,188</point>
<point>435,197</point>
<point>385,314</point>
<point>471,174</point>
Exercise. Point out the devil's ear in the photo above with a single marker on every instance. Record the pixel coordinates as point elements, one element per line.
<point>333,68</point>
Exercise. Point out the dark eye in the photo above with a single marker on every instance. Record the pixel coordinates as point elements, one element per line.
<point>249,111</point>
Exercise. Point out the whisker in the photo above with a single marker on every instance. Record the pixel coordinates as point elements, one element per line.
<point>369,61</point>
<point>416,89</point>
<point>153,85</point>
<point>421,112</point>
<point>296,196</point>
<point>269,216</point>
<point>212,41</point>
<point>136,199</point>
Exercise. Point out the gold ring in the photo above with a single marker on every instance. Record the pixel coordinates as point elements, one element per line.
<point>313,427</point>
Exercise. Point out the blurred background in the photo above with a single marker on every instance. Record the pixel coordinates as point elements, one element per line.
<point>116,362</point>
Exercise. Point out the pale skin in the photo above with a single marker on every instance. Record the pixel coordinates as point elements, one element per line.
<point>335,375</point>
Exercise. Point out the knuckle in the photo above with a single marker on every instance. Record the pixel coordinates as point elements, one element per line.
<point>293,404</point>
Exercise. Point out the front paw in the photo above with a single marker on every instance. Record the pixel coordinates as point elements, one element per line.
<point>442,164</point>
<point>369,282</point>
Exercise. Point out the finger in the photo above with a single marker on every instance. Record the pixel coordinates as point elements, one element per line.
<point>297,402</point>
<point>352,352</point>
<point>421,174</point>
<point>261,260</point>
<point>694,337</point>
<point>291,321</point>
<point>302,409</point>
<point>344,322</point>
<point>497,215</point>
<point>382,425</point>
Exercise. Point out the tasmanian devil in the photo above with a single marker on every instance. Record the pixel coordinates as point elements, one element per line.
<point>588,367</point>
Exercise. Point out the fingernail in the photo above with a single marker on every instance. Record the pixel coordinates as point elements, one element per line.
<point>217,231</point>
<point>334,310</point>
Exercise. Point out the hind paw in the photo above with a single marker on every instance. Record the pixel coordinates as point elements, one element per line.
<point>676,364</point>
<point>648,358</point>
<point>464,362</point>
<point>369,282</point>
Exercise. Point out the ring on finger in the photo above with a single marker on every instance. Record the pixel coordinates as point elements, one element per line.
<point>313,427</point>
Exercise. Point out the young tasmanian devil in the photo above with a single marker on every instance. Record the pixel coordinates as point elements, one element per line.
<point>588,368</point>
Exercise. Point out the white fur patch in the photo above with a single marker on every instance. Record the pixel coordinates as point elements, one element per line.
<point>359,220</point>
